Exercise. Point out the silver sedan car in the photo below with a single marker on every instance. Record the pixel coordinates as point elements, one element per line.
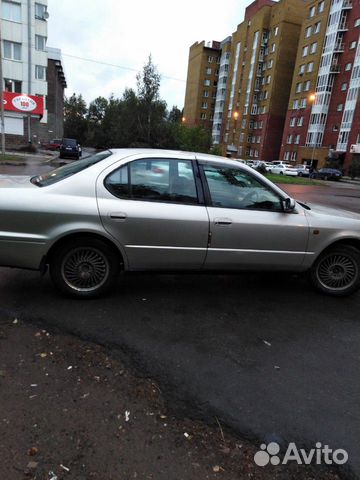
<point>160,210</point>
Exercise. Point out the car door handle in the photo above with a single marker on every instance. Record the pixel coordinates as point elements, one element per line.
<point>222,221</point>
<point>118,216</point>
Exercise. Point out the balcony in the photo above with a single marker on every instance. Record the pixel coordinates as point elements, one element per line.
<point>347,5</point>
<point>259,73</point>
<point>261,58</point>
<point>343,26</point>
<point>339,47</point>
<point>334,68</point>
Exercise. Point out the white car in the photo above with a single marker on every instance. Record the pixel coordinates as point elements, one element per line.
<point>303,170</point>
<point>284,170</point>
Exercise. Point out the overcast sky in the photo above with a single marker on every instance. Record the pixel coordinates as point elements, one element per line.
<point>124,33</point>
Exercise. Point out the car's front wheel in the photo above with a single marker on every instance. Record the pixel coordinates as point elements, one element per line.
<point>84,268</point>
<point>337,271</point>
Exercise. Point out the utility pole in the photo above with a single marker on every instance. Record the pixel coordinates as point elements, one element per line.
<point>2,115</point>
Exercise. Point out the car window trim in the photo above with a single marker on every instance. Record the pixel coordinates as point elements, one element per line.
<point>196,174</point>
<point>207,194</point>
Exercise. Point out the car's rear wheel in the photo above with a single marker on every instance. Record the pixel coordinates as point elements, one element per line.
<point>84,268</point>
<point>337,271</point>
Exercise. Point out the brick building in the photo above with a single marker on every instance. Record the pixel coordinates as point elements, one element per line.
<point>201,85</point>
<point>323,118</point>
<point>253,86</point>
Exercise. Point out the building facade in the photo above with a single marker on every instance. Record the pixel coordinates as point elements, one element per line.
<point>25,58</point>
<point>201,84</point>
<point>252,89</point>
<point>323,118</point>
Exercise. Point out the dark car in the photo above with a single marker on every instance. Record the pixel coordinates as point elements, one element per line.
<point>327,174</point>
<point>52,144</point>
<point>70,148</point>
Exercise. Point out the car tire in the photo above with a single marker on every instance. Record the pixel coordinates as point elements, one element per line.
<point>85,267</point>
<point>337,271</point>
<point>281,173</point>
<point>300,174</point>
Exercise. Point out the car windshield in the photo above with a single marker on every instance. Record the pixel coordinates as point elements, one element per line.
<point>70,141</point>
<point>68,170</point>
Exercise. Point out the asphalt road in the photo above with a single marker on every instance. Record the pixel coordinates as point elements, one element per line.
<point>264,353</point>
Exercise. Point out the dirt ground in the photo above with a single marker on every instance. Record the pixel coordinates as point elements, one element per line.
<point>70,409</point>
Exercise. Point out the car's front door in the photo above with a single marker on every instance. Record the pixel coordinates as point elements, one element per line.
<point>248,226</point>
<point>153,206</point>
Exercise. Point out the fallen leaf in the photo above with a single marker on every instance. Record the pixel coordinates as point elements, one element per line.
<point>32,451</point>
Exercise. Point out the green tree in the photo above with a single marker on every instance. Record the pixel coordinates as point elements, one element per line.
<point>75,122</point>
<point>195,139</point>
<point>152,110</point>
<point>175,115</point>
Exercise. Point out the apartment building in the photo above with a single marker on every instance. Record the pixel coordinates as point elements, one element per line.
<point>263,55</point>
<point>24,63</point>
<point>323,118</point>
<point>253,83</point>
<point>201,84</point>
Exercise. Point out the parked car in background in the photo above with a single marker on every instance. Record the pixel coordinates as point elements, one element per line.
<point>303,170</point>
<point>151,210</point>
<point>52,145</point>
<point>284,170</point>
<point>70,148</point>
<point>268,166</point>
<point>327,174</point>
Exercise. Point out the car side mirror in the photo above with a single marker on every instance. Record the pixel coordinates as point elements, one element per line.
<point>288,204</point>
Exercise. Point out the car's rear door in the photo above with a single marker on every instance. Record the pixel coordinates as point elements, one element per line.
<point>248,226</point>
<point>153,205</point>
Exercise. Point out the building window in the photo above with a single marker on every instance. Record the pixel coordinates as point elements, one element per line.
<point>276,31</point>
<point>260,124</point>
<point>11,11</point>
<point>317,27</point>
<point>298,87</point>
<point>310,66</point>
<point>303,103</point>
<point>344,87</point>
<point>270,63</point>
<point>348,67</point>
<point>339,108</point>
<point>204,105</point>
<point>208,71</point>
<point>292,122</point>
<point>207,82</point>
<point>206,93</point>
<point>302,69</point>
<point>286,155</point>
<point>203,116</point>
<point>308,32</point>
<point>357,22</point>
<point>293,155</point>
<point>305,51</point>
<point>40,11</point>
<point>268,79</point>
<point>312,12</point>
<point>297,140</point>
<point>321,6</point>
<point>307,85</point>
<point>352,45</point>
<point>295,104</point>
<point>210,59</point>
<point>273,48</point>
<point>40,72</point>
<point>289,139</point>
<point>12,85</point>
<point>12,50</point>
<point>300,121</point>
<point>313,47</point>
<point>40,42</point>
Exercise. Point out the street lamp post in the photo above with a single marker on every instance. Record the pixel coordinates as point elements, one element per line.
<point>312,98</point>
<point>2,115</point>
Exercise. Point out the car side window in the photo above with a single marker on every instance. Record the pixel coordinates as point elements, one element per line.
<point>162,180</point>
<point>231,187</point>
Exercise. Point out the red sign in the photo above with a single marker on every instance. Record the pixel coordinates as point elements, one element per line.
<point>20,102</point>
